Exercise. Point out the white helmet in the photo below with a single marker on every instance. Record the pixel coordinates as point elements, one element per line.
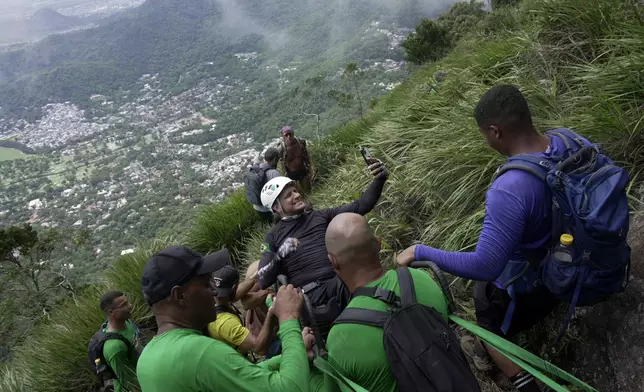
<point>272,190</point>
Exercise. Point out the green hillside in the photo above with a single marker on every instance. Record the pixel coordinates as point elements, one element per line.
<point>579,64</point>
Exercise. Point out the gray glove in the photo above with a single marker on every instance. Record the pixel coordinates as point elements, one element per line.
<point>289,246</point>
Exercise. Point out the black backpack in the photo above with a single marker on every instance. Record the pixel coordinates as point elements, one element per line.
<point>254,180</point>
<point>95,350</point>
<point>423,352</point>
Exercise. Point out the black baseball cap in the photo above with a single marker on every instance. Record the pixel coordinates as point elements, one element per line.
<point>224,279</point>
<point>175,266</point>
<point>220,258</point>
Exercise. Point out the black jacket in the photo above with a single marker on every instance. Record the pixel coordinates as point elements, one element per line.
<point>310,262</point>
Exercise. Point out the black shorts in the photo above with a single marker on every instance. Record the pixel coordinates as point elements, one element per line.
<point>491,304</point>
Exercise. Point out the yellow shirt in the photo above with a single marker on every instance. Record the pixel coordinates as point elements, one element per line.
<point>229,329</point>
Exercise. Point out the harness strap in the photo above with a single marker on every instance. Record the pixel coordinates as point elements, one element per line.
<point>575,298</point>
<point>507,320</point>
<point>309,286</point>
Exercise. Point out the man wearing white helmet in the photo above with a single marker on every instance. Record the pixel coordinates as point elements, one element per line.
<point>308,267</point>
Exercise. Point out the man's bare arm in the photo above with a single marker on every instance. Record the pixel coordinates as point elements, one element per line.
<point>246,286</point>
<point>259,344</point>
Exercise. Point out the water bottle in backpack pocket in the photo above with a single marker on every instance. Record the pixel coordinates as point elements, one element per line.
<point>592,276</point>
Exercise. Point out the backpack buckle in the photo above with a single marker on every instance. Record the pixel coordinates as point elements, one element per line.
<point>387,296</point>
<point>545,164</point>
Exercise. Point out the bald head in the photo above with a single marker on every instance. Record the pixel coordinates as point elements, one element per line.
<point>350,240</point>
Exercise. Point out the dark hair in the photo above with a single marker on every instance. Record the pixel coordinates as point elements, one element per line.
<point>107,300</point>
<point>271,154</point>
<point>505,105</point>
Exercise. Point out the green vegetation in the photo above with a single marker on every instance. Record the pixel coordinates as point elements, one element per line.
<point>33,280</point>
<point>7,154</point>
<point>432,40</point>
<point>579,64</point>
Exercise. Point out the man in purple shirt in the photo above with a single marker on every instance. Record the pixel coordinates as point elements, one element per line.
<point>516,229</point>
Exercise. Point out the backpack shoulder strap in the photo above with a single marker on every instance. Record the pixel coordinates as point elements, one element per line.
<point>108,336</point>
<point>532,164</point>
<point>374,318</point>
<point>384,295</point>
<point>568,137</point>
<point>262,173</point>
<point>407,289</point>
<point>304,150</point>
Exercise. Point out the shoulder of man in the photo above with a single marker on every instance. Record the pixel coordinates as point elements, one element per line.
<point>269,239</point>
<point>230,327</point>
<point>114,346</point>
<point>421,278</point>
<point>517,182</point>
<point>226,318</point>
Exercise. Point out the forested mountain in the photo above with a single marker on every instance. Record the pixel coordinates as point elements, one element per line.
<point>172,37</point>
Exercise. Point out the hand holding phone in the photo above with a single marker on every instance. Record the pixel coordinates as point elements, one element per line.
<point>368,158</point>
<point>374,165</point>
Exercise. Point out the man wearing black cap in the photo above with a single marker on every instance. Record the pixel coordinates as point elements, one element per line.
<point>228,326</point>
<point>177,284</point>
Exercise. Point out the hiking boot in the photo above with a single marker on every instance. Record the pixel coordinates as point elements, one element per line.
<point>473,348</point>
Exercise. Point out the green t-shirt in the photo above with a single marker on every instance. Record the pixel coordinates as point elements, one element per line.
<point>184,360</point>
<point>358,351</point>
<point>122,362</point>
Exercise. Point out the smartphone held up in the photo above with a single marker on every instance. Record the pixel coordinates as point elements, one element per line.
<point>368,158</point>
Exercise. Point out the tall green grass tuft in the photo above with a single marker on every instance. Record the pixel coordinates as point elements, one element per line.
<point>222,225</point>
<point>11,380</point>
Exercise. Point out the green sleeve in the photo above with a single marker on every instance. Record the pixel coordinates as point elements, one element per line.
<point>116,355</point>
<point>236,373</point>
<point>272,364</point>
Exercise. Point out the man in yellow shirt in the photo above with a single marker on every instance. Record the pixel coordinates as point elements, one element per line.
<point>228,327</point>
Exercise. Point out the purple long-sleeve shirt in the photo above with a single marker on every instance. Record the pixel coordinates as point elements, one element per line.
<point>517,217</point>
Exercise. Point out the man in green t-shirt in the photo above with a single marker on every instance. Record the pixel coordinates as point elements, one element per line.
<point>120,357</point>
<point>354,253</point>
<point>177,284</point>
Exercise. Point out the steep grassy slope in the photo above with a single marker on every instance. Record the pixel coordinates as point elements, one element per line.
<point>579,63</point>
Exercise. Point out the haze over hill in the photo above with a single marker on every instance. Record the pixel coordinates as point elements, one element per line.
<point>113,56</point>
<point>28,21</point>
<point>164,106</point>
<point>40,24</point>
